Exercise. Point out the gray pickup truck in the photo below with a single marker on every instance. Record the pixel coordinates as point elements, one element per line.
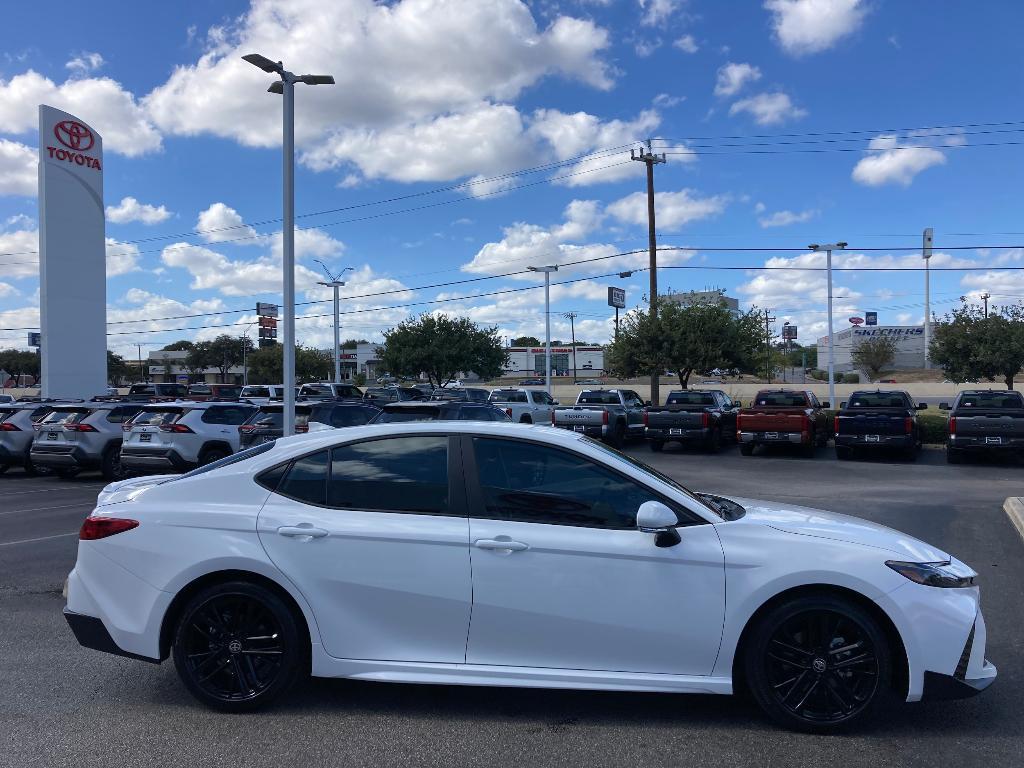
<point>692,417</point>
<point>984,420</point>
<point>614,415</point>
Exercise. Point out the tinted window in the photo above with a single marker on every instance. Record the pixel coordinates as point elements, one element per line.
<point>306,479</point>
<point>229,392</point>
<point>404,474</point>
<point>690,398</point>
<point>351,417</point>
<point>122,414</point>
<point>782,399</point>
<point>154,417</point>
<point>426,413</point>
<point>141,389</point>
<point>66,416</point>
<point>226,414</point>
<point>598,398</point>
<point>480,413</point>
<point>477,395</point>
<point>508,396</point>
<point>228,460</point>
<point>270,419</point>
<point>255,392</point>
<point>991,400</point>
<point>199,389</point>
<point>533,483</point>
<point>878,400</point>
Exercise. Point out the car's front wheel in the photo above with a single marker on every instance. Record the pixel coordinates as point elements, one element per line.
<point>237,646</point>
<point>818,663</point>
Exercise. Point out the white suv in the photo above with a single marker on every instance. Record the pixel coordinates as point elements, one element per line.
<point>182,436</point>
<point>261,394</point>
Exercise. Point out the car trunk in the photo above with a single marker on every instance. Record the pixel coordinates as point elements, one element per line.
<point>151,428</point>
<point>59,428</point>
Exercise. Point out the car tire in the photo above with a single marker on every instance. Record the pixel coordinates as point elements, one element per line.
<point>4,468</point>
<point>954,456</point>
<point>657,445</point>
<point>211,455</point>
<point>224,628</point>
<point>525,419</point>
<point>111,467</point>
<point>746,449</point>
<point>617,439</point>
<point>843,453</point>
<point>808,450</point>
<point>714,444</point>
<point>818,663</point>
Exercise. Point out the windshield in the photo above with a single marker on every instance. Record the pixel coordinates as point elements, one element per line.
<point>598,398</point>
<point>991,400</point>
<point>255,392</point>
<point>879,400</point>
<point>781,399</point>
<point>690,398</point>
<point>66,416</point>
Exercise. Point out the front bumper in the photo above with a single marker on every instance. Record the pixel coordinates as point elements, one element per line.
<point>682,435</point>
<point>771,438</point>
<point>138,458</point>
<point>878,441</point>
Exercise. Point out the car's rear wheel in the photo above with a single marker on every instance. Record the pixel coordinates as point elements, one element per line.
<point>111,468</point>
<point>818,663</point>
<point>954,456</point>
<point>657,445</point>
<point>237,647</point>
<point>746,449</point>
<point>844,453</point>
<point>525,419</point>
<point>211,455</point>
<point>618,436</point>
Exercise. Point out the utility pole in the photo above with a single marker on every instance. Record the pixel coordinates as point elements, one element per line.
<point>926,254</point>
<point>828,248</point>
<point>547,320</point>
<point>335,283</point>
<point>985,297</point>
<point>571,317</point>
<point>650,159</point>
<point>768,320</point>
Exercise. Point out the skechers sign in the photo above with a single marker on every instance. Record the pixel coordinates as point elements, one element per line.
<point>888,331</point>
<point>77,138</point>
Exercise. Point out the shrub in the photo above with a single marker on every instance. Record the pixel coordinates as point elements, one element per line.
<point>849,378</point>
<point>933,426</point>
<point>359,380</point>
<point>819,374</point>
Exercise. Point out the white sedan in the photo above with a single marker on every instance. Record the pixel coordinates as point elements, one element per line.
<point>504,554</point>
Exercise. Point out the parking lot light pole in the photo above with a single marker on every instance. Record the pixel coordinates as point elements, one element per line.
<point>286,87</point>
<point>245,361</point>
<point>547,321</point>
<point>335,283</point>
<point>828,248</point>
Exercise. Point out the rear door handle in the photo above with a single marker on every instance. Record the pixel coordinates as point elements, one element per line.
<point>501,544</point>
<point>300,531</point>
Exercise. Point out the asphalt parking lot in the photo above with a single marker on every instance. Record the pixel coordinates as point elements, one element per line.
<point>61,705</point>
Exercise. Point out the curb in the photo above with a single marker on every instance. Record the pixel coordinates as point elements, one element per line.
<point>1014,508</point>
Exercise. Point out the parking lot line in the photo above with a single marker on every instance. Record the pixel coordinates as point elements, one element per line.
<point>54,490</point>
<point>46,509</point>
<point>38,538</point>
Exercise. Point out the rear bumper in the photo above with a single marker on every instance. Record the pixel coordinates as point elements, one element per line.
<point>600,430</point>
<point>883,441</point>
<point>680,434</point>
<point>90,632</point>
<point>970,443</point>
<point>770,438</point>
<point>153,458</point>
<point>62,456</point>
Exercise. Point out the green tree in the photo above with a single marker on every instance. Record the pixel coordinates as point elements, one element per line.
<point>19,362</point>
<point>970,346</point>
<point>117,368</point>
<point>353,343</point>
<point>685,339</point>
<point>526,341</point>
<point>874,353</point>
<point>183,345</point>
<point>313,364</point>
<point>222,353</point>
<point>442,347</point>
<point>265,365</point>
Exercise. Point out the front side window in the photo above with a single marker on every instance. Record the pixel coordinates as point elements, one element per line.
<point>227,414</point>
<point>401,474</point>
<point>531,483</point>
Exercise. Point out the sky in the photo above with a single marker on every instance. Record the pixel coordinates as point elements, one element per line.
<point>466,140</point>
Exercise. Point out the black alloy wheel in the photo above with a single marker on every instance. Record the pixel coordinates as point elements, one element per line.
<point>237,647</point>
<point>211,455</point>
<point>111,468</point>
<point>819,664</point>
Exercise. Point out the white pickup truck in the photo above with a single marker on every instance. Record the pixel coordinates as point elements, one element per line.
<point>526,406</point>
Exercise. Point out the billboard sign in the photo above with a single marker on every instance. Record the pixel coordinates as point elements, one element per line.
<point>870,318</point>
<point>35,339</point>
<point>617,297</point>
<point>264,309</point>
<point>72,256</point>
<point>789,332</point>
<point>856,320</point>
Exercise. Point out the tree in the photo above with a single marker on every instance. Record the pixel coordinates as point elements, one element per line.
<point>526,341</point>
<point>117,368</point>
<point>874,354</point>
<point>313,364</point>
<point>265,365</point>
<point>353,343</point>
<point>970,346</point>
<point>698,337</point>
<point>442,347</point>
<point>222,353</point>
<point>182,345</point>
<point>19,362</point>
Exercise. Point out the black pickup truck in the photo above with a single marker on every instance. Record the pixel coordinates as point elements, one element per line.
<point>877,420</point>
<point>984,420</point>
<point>692,417</point>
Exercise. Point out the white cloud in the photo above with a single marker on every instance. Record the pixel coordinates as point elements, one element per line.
<point>673,210</point>
<point>85,62</point>
<point>122,258</point>
<point>810,26</point>
<point>656,12</point>
<point>7,290</point>
<point>645,48</point>
<point>22,245</point>
<point>732,76</point>
<point>395,64</point>
<point>785,218</point>
<point>220,223</point>
<point>889,162</point>
<point>686,44</point>
<point>667,100</point>
<point>768,108</point>
<point>100,101</point>
<point>18,169</point>
<point>130,209</point>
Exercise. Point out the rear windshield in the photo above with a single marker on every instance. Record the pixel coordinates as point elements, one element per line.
<point>690,398</point>
<point>6,413</point>
<point>991,400</point>
<point>141,389</point>
<point>316,389</point>
<point>782,399</point>
<point>878,400</point>
<point>255,392</point>
<point>66,416</point>
<point>172,389</point>
<point>348,416</point>
<point>228,391</point>
<point>508,396</point>
<point>598,398</point>
<point>154,417</point>
<point>408,414</point>
<point>199,389</point>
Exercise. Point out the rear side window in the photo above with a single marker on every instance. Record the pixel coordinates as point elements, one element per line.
<point>39,413</point>
<point>121,414</point>
<point>226,414</point>
<point>6,413</point>
<point>306,479</point>
<point>402,474</point>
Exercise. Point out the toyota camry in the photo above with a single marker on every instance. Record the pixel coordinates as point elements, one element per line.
<point>513,555</point>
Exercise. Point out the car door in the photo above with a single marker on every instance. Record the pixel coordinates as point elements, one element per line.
<point>374,534</point>
<point>562,578</point>
<point>634,412</point>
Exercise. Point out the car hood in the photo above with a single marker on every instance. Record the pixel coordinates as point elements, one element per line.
<point>125,490</point>
<point>806,521</point>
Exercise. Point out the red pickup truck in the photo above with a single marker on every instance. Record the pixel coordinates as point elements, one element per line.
<point>786,416</point>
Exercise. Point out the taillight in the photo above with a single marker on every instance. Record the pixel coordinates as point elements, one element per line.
<point>952,425</point>
<point>604,417</point>
<point>552,417</point>
<point>6,427</point>
<point>126,427</point>
<point>509,412</point>
<point>705,419</point>
<point>805,423</point>
<point>179,428</point>
<point>836,427</point>
<point>908,425</point>
<point>247,428</point>
<point>300,428</point>
<point>100,527</point>
<point>80,428</point>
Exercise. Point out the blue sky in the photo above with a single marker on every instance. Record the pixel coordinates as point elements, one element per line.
<point>793,121</point>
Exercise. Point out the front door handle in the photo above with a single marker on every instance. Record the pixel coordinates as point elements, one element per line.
<point>501,544</point>
<point>300,531</point>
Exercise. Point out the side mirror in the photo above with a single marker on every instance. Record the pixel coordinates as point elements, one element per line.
<point>922,406</point>
<point>826,404</point>
<point>555,402</point>
<point>654,517</point>
<point>944,407</point>
<point>842,405</point>
<point>737,404</point>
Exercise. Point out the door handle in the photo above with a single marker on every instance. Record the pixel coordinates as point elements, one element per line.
<point>299,531</point>
<point>501,544</point>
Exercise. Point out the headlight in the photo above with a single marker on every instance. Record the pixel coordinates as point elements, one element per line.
<point>944,574</point>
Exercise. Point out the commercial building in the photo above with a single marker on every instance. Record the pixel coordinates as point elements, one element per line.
<point>529,361</point>
<point>910,351</point>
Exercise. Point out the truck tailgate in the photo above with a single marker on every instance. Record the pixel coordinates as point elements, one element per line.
<point>991,424</point>
<point>580,414</point>
<point>780,420</point>
<point>664,418</point>
<point>873,423</point>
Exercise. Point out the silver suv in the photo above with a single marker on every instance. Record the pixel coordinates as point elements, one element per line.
<point>261,394</point>
<point>330,389</point>
<point>17,428</point>
<point>182,436</point>
<point>82,436</point>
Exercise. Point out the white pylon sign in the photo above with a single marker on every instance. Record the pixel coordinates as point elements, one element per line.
<point>72,257</point>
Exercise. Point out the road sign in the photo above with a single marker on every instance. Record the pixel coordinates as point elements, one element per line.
<point>856,320</point>
<point>264,309</point>
<point>870,318</point>
<point>617,297</point>
<point>35,339</point>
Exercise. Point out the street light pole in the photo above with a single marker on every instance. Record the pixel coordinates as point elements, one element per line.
<point>245,351</point>
<point>286,87</point>
<point>335,283</point>
<point>828,248</point>
<point>547,321</point>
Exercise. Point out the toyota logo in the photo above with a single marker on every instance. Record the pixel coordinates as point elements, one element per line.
<point>74,135</point>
